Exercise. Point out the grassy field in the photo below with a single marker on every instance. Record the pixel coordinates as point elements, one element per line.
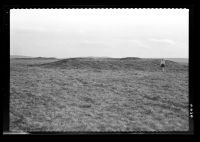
<point>98,95</point>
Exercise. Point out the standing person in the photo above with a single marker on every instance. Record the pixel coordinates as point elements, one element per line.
<point>162,64</point>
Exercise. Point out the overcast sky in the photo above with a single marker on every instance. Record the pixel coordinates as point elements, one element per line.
<point>63,33</point>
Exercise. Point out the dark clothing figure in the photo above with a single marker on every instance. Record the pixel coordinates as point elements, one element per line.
<point>162,65</point>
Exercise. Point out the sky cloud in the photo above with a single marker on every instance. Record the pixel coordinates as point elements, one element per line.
<point>99,32</point>
<point>168,41</point>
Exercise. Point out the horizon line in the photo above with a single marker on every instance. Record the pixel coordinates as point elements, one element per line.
<point>96,57</point>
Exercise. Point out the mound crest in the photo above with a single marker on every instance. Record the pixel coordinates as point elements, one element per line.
<point>114,64</point>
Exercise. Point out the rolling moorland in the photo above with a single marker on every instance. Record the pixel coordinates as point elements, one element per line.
<point>98,94</point>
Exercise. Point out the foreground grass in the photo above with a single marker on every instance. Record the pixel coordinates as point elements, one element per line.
<point>45,99</point>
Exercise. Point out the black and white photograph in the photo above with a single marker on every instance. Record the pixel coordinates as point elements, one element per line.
<point>99,70</point>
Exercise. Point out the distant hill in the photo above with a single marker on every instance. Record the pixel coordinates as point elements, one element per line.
<point>114,64</point>
<point>179,60</point>
<point>29,57</point>
<point>43,58</point>
<point>19,56</point>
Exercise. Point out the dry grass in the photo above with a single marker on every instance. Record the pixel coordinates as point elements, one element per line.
<point>55,99</point>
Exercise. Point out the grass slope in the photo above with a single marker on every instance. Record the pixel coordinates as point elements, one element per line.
<point>151,65</point>
<point>98,95</point>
